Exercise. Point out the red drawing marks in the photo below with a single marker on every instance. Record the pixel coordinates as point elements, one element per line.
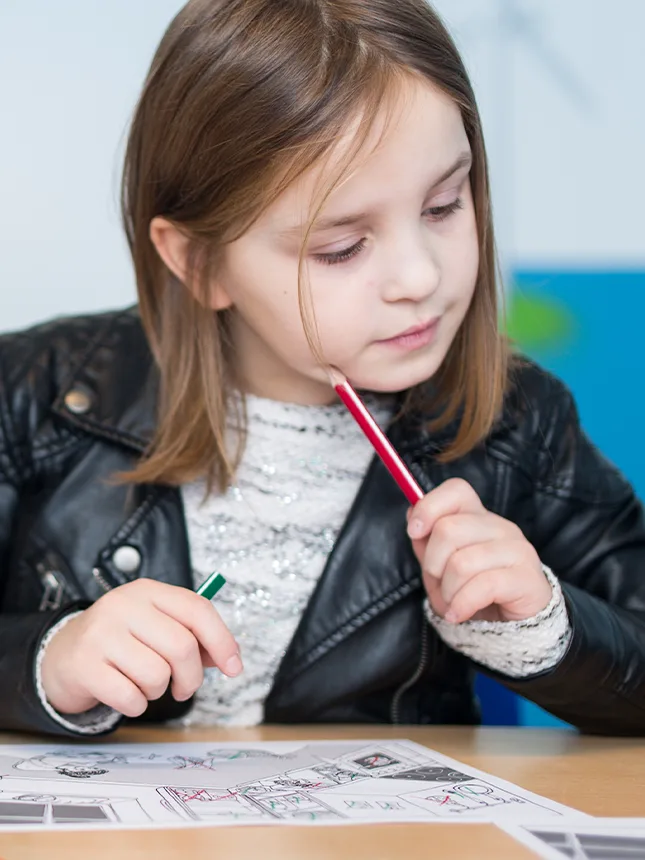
<point>382,445</point>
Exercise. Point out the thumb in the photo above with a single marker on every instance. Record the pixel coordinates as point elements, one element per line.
<point>418,544</point>
<point>419,548</point>
<point>207,660</point>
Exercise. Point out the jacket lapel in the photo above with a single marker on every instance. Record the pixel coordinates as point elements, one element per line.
<point>371,567</point>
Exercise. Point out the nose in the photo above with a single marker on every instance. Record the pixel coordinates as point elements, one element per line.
<point>415,272</point>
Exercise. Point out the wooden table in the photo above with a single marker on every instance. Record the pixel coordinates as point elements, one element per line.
<point>600,776</point>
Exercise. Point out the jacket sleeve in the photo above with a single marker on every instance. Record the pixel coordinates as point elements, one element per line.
<point>588,526</point>
<point>20,634</point>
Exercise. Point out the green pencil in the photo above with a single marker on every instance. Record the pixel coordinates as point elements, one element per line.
<point>212,585</point>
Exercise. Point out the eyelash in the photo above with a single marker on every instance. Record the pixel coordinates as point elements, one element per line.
<point>441,213</point>
<point>438,213</point>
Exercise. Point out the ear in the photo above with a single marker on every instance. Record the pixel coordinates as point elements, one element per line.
<point>173,246</point>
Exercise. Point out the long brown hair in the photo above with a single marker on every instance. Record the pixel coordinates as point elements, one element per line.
<point>242,97</point>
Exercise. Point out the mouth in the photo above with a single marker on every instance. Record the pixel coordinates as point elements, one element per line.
<point>415,337</point>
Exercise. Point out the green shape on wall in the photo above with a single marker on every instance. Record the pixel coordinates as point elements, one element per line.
<point>536,322</point>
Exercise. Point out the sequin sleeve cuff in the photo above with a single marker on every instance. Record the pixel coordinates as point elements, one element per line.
<point>96,721</point>
<point>517,649</point>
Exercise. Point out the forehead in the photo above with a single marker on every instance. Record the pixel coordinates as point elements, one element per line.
<point>415,137</point>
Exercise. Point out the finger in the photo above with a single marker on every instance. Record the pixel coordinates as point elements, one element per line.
<point>207,660</point>
<point>177,646</point>
<point>435,598</point>
<point>500,587</point>
<point>112,688</point>
<point>453,533</point>
<point>200,617</point>
<point>141,664</point>
<point>454,496</point>
<point>473,560</point>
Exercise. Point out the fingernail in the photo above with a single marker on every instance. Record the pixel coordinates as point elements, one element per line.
<point>416,528</point>
<point>234,666</point>
<point>451,617</point>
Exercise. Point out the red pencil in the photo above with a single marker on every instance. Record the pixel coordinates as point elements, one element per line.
<point>382,445</point>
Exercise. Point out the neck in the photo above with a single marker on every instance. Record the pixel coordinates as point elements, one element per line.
<point>310,393</point>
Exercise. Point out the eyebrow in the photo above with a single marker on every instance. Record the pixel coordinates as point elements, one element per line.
<point>464,159</point>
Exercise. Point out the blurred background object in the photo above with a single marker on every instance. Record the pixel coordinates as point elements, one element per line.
<point>560,86</point>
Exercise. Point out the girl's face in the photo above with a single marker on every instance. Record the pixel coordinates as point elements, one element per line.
<point>391,263</point>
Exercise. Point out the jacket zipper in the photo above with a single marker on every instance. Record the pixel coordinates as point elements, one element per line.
<point>98,575</point>
<point>395,716</point>
<point>53,589</point>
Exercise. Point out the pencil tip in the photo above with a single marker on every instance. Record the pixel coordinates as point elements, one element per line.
<point>336,378</point>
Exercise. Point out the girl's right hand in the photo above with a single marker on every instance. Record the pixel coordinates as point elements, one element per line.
<point>125,649</point>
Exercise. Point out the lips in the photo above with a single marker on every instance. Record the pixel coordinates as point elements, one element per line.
<point>415,330</point>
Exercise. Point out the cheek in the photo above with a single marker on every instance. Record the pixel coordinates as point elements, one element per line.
<point>340,305</point>
<point>471,243</point>
<point>471,263</point>
<point>464,259</point>
<point>264,294</point>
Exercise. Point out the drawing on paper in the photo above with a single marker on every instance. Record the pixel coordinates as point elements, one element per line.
<point>86,764</point>
<point>190,784</point>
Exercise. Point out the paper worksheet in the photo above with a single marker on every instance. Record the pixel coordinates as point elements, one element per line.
<point>594,839</point>
<point>188,784</point>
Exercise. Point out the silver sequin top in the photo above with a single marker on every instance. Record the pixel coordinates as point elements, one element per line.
<point>270,535</point>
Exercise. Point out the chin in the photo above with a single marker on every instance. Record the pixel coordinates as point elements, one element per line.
<point>393,380</point>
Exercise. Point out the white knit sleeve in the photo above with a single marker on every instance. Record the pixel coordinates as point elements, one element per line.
<point>95,721</point>
<point>514,648</point>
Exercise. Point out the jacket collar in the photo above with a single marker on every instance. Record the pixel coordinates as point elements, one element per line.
<point>112,388</point>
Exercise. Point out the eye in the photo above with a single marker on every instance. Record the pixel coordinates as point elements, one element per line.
<point>441,213</point>
<point>341,256</point>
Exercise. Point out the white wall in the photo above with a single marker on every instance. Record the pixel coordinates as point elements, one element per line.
<point>568,168</point>
<point>70,72</point>
<point>560,85</point>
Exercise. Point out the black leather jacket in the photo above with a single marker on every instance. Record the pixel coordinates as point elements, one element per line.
<point>77,404</point>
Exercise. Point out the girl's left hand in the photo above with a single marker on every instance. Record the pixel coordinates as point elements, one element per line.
<point>476,565</point>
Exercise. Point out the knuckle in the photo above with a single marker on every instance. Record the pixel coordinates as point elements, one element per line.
<point>461,485</point>
<point>466,493</point>
<point>514,531</point>
<point>157,683</point>
<point>489,588</point>
<point>92,638</point>
<point>459,564</point>
<point>132,703</point>
<point>186,685</point>
<point>140,587</point>
<point>445,529</point>
<point>184,649</point>
<point>114,602</point>
<point>103,604</point>
<point>191,687</point>
<point>529,551</point>
<point>154,691</point>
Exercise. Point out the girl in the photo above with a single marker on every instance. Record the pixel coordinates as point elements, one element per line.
<point>305,186</point>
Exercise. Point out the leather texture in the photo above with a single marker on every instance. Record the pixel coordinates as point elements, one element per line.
<point>363,651</point>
